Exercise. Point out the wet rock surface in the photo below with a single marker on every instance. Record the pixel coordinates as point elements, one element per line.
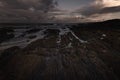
<point>6,34</point>
<point>72,53</point>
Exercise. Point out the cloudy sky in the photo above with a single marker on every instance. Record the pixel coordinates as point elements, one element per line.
<point>58,10</point>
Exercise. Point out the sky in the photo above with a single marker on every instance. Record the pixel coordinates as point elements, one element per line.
<point>72,4</point>
<point>58,10</point>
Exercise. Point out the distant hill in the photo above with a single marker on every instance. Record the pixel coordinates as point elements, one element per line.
<point>109,24</point>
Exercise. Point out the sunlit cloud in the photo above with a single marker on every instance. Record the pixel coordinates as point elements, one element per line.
<point>110,3</point>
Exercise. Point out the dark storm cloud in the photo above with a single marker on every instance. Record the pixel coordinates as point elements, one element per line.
<point>110,9</point>
<point>44,5</point>
<point>97,8</point>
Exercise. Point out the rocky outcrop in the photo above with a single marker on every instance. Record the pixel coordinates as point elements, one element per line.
<point>65,54</point>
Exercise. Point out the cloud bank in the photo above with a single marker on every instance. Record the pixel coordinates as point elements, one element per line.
<point>43,5</point>
<point>26,10</point>
<point>98,8</point>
